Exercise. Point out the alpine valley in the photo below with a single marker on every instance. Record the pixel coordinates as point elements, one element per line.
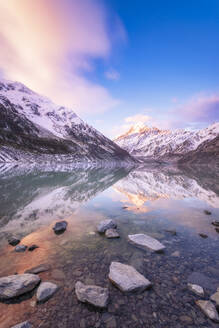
<point>182,146</point>
<point>34,129</point>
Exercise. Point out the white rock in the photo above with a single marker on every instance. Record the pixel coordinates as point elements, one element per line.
<point>208,309</point>
<point>146,241</point>
<point>111,233</point>
<point>106,224</point>
<point>126,278</point>
<point>92,294</point>
<point>198,290</point>
<point>16,285</point>
<point>24,324</point>
<point>215,297</point>
<point>45,291</point>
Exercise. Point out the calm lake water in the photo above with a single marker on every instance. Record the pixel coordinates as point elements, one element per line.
<point>142,200</point>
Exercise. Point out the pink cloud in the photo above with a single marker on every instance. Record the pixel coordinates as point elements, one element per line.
<point>48,45</point>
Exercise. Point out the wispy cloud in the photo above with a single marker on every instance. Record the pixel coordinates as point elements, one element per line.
<point>50,45</point>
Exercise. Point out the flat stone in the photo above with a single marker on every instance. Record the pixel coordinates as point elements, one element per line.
<point>24,324</point>
<point>112,233</point>
<point>172,232</point>
<point>208,309</point>
<point>60,227</point>
<point>176,254</point>
<point>16,285</point>
<point>45,291</point>
<point>146,241</point>
<point>32,248</point>
<point>198,290</point>
<point>13,241</point>
<point>207,212</point>
<point>95,295</point>
<point>106,224</point>
<point>126,278</point>
<point>200,279</point>
<point>20,248</point>
<point>215,297</point>
<point>39,268</point>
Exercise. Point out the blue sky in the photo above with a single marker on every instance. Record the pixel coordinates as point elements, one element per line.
<point>117,62</point>
<point>170,57</point>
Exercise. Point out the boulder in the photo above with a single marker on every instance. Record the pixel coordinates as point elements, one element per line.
<point>208,309</point>
<point>45,291</point>
<point>16,285</point>
<point>13,241</point>
<point>20,248</point>
<point>111,233</point>
<point>126,278</point>
<point>60,227</point>
<point>92,294</point>
<point>24,324</point>
<point>145,241</point>
<point>106,224</point>
<point>38,269</point>
<point>198,290</point>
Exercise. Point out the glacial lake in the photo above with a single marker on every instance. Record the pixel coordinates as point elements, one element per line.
<point>166,203</point>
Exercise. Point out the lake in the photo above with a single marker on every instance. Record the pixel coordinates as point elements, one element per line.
<point>164,202</point>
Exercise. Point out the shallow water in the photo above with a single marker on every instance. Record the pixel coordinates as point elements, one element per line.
<point>147,200</point>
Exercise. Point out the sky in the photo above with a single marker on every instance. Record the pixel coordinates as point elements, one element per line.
<point>117,62</point>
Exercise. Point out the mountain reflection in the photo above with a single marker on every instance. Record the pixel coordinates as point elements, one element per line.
<point>30,197</point>
<point>152,184</point>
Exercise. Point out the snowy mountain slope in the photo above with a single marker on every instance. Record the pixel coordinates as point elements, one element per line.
<point>33,128</point>
<point>164,144</point>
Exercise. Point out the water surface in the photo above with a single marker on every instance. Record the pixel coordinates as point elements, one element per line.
<point>142,200</point>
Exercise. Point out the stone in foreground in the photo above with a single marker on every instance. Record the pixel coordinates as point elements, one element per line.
<point>91,294</point>
<point>60,227</point>
<point>13,241</point>
<point>215,298</point>
<point>24,324</point>
<point>126,278</point>
<point>106,224</point>
<point>198,290</point>
<point>16,285</point>
<point>146,241</point>
<point>20,248</point>
<point>208,309</point>
<point>39,268</point>
<point>112,233</point>
<point>45,291</point>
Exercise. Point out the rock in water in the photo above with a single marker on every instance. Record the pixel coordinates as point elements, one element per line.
<point>146,241</point>
<point>38,269</point>
<point>207,212</point>
<point>13,241</point>
<point>60,227</point>
<point>45,291</point>
<point>24,324</point>
<point>94,295</point>
<point>16,285</point>
<point>208,309</point>
<point>215,223</point>
<point>106,224</point>
<point>32,248</point>
<point>126,278</point>
<point>20,248</point>
<point>198,290</point>
<point>111,233</point>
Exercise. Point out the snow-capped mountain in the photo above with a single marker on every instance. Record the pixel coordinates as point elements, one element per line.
<point>144,142</point>
<point>34,128</point>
